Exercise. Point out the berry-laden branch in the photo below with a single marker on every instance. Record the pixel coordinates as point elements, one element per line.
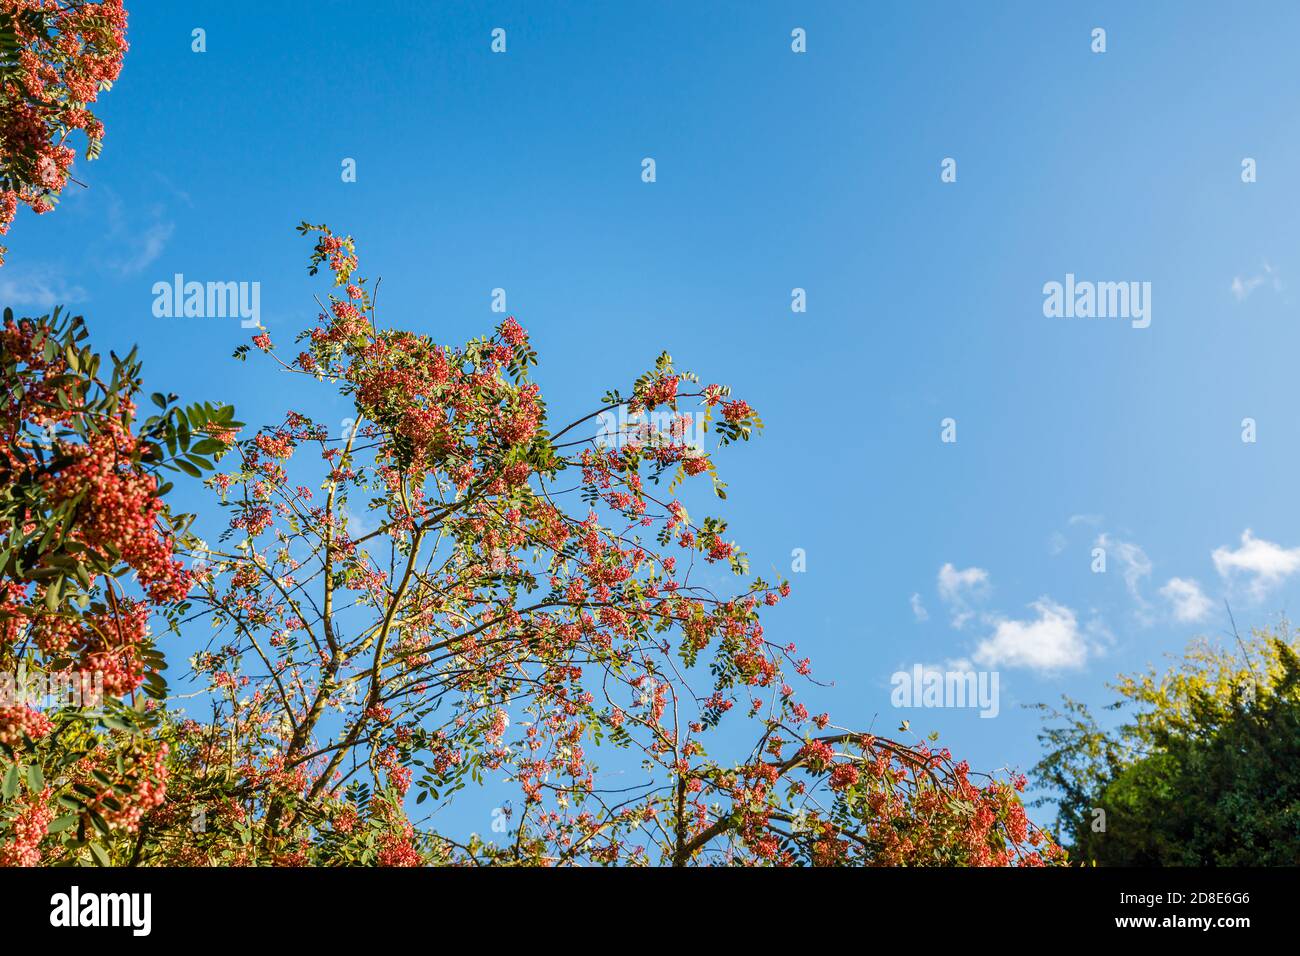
<point>443,599</point>
<point>480,599</point>
<point>87,562</point>
<point>56,57</point>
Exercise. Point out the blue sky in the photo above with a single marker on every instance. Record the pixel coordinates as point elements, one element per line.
<point>778,170</point>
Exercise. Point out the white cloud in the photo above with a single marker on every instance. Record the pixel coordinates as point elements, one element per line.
<point>1050,642</point>
<point>919,609</point>
<point>129,245</point>
<point>1265,563</point>
<point>1134,561</point>
<point>42,288</point>
<point>1189,601</point>
<point>958,588</point>
<point>1243,287</point>
<point>358,523</point>
<point>136,251</point>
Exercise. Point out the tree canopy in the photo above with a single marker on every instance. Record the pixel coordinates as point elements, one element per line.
<point>56,57</point>
<point>446,589</point>
<point>1205,771</point>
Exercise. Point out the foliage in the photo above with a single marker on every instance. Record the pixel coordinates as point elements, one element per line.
<point>56,57</point>
<point>1206,773</point>
<point>449,590</point>
<point>87,556</point>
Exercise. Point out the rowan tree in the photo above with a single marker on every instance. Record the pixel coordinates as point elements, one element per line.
<point>56,57</point>
<point>448,590</point>
<point>87,562</point>
<point>452,588</point>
